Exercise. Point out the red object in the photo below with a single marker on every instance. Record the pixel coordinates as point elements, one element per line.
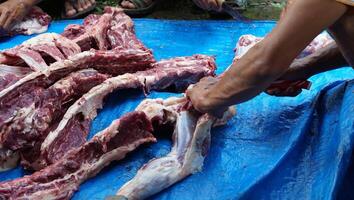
<point>285,84</point>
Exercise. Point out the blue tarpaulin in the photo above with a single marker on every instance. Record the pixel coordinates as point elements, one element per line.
<point>274,148</point>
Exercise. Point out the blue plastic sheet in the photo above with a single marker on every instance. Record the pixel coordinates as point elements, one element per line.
<point>274,148</point>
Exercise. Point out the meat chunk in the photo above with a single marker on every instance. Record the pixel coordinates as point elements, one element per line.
<point>32,58</point>
<point>36,21</point>
<point>11,74</point>
<point>191,141</point>
<point>110,62</point>
<point>40,51</point>
<point>111,30</point>
<point>175,74</point>
<point>62,179</point>
<point>7,80</point>
<point>13,70</point>
<point>17,99</point>
<point>246,42</point>
<point>32,123</point>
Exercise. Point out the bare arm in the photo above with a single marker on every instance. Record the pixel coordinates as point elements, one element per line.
<point>325,59</point>
<point>256,70</point>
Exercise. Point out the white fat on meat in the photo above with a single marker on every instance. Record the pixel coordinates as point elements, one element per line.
<point>10,159</point>
<point>89,103</point>
<point>154,78</point>
<point>36,21</point>
<point>31,26</point>
<point>73,63</point>
<point>34,52</point>
<point>18,71</point>
<point>246,42</point>
<point>191,140</point>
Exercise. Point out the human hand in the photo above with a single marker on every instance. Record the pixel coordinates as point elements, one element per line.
<point>209,4</point>
<point>13,11</point>
<point>199,94</point>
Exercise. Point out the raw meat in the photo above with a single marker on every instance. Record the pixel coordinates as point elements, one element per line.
<point>45,49</point>
<point>13,70</point>
<point>191,141</point>
<point>7,80</point>
<point>246,42</point>
<point>111,62</point>
<point>175,74</point>
<point>36,21</point>
<point>32,123</point>
<point>19,94</point>
<point>43,117</point>
<point>40,51</point>
<point>121,33</point>
<point>32,58</point>
<point>60,180</point>
<point>10,74</point>
<point>112,30</point>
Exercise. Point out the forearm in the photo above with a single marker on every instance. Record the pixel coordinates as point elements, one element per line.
<point>325,59</point>
<point>248,77</point>
<point>270,59</point>
<point>267,60</point>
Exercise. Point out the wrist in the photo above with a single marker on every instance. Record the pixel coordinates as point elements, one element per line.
<point>215,98</point>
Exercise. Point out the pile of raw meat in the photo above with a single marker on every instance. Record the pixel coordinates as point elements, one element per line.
<point>51,88</point>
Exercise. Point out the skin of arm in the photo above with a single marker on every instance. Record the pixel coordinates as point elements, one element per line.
<point>338,54</point>
<point>13,11</point>
<point>323,60</point>
<point>343,32</point>
<point>258,68</point>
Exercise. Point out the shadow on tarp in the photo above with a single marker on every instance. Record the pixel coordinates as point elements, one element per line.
<point>274,148</point>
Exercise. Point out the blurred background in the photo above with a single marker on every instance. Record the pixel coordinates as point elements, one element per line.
<point>185,9</point>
